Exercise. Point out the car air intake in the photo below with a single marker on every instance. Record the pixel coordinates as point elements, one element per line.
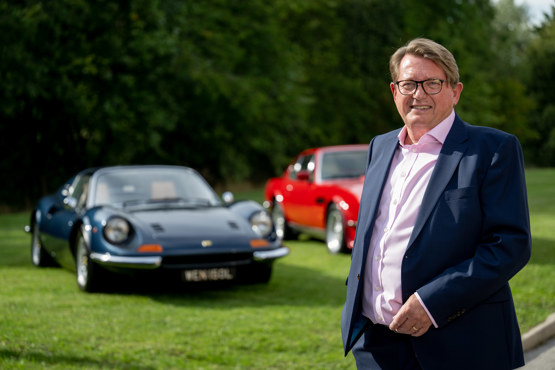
<point>157,227</point>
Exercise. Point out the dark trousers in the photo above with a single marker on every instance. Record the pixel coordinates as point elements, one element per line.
<point>381,348</point>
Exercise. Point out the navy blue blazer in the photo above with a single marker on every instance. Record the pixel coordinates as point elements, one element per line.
<point>471,236</point>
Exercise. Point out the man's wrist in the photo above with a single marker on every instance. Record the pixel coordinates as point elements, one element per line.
<point>426,309</point>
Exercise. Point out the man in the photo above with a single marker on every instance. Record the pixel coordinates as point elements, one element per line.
<point>443,226</point>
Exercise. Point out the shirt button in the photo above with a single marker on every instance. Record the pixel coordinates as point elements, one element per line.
<point>403,174</point>
<point>386,230</point>
<point>380,319</point>
<point>377,288</point>
<point>378,258</point>
<point>395,201</point>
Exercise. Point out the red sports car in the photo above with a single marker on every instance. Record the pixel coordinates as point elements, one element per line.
<point>319,194</point>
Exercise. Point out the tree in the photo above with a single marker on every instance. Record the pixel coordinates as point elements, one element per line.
<point>236,88</point>
<point>541,59</point>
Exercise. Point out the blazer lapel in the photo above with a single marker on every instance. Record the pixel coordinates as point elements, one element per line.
<point>376,175</point>
<point>447,162</point>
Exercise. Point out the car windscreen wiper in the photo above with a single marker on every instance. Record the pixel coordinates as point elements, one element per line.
<point>181,202</point>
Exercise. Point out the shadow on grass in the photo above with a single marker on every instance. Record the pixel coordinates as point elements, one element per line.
<point>39,360</point>
<point>290,285</point>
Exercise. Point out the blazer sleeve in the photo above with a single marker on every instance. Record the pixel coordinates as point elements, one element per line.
<point>500,239</point>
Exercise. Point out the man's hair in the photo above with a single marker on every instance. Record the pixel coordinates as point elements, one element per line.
<point>428,49</point>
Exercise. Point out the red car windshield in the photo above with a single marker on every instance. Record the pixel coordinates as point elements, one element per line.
<point>339,165</point>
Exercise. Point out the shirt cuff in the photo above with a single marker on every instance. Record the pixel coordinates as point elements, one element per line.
<point>426,309</point>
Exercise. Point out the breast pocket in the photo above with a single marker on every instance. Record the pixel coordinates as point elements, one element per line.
<point>461,207</point>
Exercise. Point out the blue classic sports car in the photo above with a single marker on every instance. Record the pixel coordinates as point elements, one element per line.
<point>152,220</point>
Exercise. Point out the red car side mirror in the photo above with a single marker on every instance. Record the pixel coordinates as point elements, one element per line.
<point>303,175</point>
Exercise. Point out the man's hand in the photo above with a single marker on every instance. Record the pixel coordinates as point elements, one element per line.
<point>411,319</point>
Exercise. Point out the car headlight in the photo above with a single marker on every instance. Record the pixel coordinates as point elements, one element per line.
<point>261,223</point>
<point>117,230</point>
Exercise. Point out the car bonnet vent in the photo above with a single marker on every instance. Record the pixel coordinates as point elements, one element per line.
<point>233,225</point>
<point>157,227</point>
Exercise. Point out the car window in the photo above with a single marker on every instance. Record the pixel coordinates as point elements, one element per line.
<point>151,185</point>
<point>347,164</point>
<point>303,163</point>
<point>79,190</point>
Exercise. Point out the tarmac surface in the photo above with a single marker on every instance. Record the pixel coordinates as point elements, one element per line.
<point>541,358</point>
<point>539,346</point>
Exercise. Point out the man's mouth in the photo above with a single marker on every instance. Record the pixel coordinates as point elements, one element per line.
<point>421,107</point>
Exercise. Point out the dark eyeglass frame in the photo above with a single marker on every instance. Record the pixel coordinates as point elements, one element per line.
<point>421,83</point>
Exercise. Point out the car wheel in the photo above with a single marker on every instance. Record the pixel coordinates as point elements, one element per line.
<point>87,272</point>
<point>283,230</point>
<point>39,256</point>
<point>335,230</point>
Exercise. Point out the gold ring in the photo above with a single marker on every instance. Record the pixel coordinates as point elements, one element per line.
<point>414,328</point>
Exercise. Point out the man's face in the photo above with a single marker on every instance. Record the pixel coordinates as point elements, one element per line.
<point>422,112</point>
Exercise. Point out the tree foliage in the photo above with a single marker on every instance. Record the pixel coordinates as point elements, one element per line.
<point>236,88</point>
<point>541,62</point>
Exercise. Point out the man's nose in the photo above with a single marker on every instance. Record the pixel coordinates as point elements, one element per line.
<point>419,92</point>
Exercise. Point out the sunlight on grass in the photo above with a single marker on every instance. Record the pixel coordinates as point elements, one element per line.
<point>533,288</point>
<point>291,323</point>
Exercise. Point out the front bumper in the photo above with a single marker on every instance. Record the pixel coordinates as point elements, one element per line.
<point>154,262</point>
<point>146,262</point>
<point>271,254</point>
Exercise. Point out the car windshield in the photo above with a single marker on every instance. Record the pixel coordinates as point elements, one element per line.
<point>343,164</point>
<point>130,187</point>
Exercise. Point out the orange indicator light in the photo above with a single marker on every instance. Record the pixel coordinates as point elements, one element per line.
<point>150,248</point>
<point>257,243</point>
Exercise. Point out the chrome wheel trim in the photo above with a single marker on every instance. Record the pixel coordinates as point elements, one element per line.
<point>36,249</point>
<point>82,263</point>
<point>279,220</point>
<point>334,231</point>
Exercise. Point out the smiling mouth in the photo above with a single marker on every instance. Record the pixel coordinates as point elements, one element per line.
<point>421,107</point>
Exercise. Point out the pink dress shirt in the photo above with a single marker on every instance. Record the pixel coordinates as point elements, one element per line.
<point>402,196</point>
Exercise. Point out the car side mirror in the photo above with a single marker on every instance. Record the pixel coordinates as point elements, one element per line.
<point>70,202</point>
<point>228,197</point>
<point>303,175</point>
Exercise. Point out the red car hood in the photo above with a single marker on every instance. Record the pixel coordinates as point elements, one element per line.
<point>353,186</point>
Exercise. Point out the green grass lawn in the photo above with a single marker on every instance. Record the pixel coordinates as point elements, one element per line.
<point>533,287</point>
<point>291,323</point>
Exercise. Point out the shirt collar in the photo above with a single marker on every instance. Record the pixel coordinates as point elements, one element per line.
<point>439,132</point>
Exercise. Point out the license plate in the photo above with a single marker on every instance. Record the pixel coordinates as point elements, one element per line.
<point>214,274</point>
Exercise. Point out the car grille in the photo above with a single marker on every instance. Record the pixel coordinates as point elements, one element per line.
<point>208,260</point>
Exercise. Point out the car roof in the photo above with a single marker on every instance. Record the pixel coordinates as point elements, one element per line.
<point>335,148</point>
<point>102,169</point>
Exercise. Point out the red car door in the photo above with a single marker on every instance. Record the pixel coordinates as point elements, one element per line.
<point>297,194</point>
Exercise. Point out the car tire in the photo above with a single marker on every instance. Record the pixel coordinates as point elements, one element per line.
<point>39,256</point>
<point>335,230</point>
<point>88,274</point>
<point>283,230</point>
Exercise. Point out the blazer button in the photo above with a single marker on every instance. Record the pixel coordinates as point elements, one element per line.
<point>358,276</point>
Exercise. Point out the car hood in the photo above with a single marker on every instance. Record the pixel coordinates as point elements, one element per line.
<point>178,227</point>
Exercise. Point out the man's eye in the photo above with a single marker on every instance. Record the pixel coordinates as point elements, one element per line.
<point>408,85</point>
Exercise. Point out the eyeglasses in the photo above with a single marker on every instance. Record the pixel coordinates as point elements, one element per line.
<point>431,86</point>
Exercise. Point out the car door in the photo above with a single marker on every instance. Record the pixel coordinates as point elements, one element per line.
<point>315,197</point>
<point>296,200</point>
<point>57,222</point>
